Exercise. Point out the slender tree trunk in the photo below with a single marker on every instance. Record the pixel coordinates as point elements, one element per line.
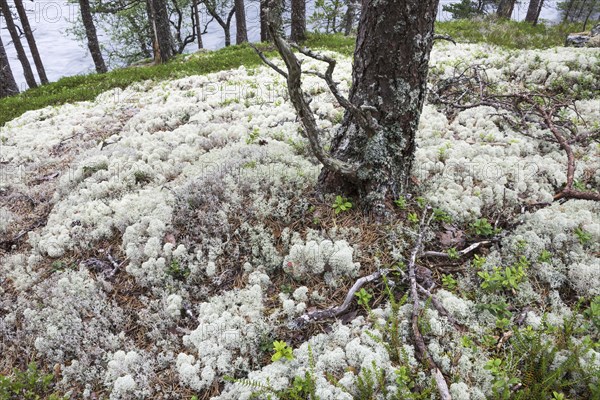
<point>8,86</point>
<point>14,34</point>
<point>589,14</point>
<point>264,30</point>
<point>240,22</point>
<point>391,82</point>
<point>505,8</point>
<point>533,11</point>
<point>31,41</point>
<point>298,21</point>
<point>198,24</point>
<point>161,31</point>
<point>349,17</point>
<point>92,36</point>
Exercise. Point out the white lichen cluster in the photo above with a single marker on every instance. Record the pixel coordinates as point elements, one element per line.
<point>169,176</point>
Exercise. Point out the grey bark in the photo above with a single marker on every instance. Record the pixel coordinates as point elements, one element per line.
<point>14,34</point>
<point>390,83</point>
<point>161,31</point>
<point>264,30</point>
<point>240,22</point>
<point>533,11</point>
<point>31,41</point>
<point>349,17</point>
<point>8,85</point>
<point>505,8</point>
<point>298,33</point>
<point>198,26</point>
<point>92,36</point>
<point>225,24</point>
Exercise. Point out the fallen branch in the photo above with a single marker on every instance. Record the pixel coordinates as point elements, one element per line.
<point>439,36</point>
<point>336,311</point>
<point>422,353</point>
<point>460,253</point>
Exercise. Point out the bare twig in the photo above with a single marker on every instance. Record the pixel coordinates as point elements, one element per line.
<point>336,311</point>
<point>439,36</point>
<point>460,253</point>
<point>422,353</point>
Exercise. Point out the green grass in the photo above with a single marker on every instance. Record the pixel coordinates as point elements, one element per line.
<point>506,33</point>
<point>87,87</point>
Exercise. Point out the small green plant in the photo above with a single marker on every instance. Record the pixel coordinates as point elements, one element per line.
<point>505,278</point>
<point>364,297</point>
<point>400,202</point>
<point>453,254</point>
<point>142,177</point>
<point>558,396</point>
<point>253,136</point>
<point>593,312</point>
<point>482,227</point>
<point>282,350</point>
<point>545,256</point>
<point>478,261</point>
<point>448,282</point>
<point>441,215</point>
<point>341,204</point>
<point>177,271</point>
<point>89,170</point>
<point>421,202</point>
<point>502,383</point>
<point>582,236</point>
<point>413,218</point>
<point>31,384</point>
<point>502,323</point>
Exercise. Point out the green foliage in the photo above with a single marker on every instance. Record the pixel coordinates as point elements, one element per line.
<point>448,282</point>
<point>441,215</point>
<point>177,271</point>
<point>478,261</point>
<point>282,349</point>
<point>253,136</point>
<point>593,312</point>
<point>502,381</point>
<point>467,8</point>
<point>481,227</point>
<point>341,204</point>
<point>545,256</point>
<point>582,236</point>
<point>328,15</point>
<point>413,218</point>
<point>400,202</point>
<point>31,384</point>
<point>507,33</point>
<point>453,254</point>
<point>89,170</point>
<point>364,297</point>
<point>505,278</point>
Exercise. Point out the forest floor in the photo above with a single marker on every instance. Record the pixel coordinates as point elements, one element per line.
<point>163,238</point>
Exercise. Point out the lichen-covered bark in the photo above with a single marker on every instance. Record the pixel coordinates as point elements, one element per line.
<point>533,11</point>
<point>298,33</point>
<point>8,86</point>
<point>390,79</point>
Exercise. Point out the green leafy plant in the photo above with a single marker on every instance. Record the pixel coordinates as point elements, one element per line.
<point>505,278</point>
<point>31,384</point>
<point>441,215</point>
<point>341,204</point>
<point>481,227</point>
<point>413,218</point>
<point>478,261</point>
<point>282,350</point>
<point>448,282</point>
<point>453,254</point>
<point>502,383</point>
<point>400,202</point>
<point>364,297</point>
<point>545,256</point>
<point>582,236</point>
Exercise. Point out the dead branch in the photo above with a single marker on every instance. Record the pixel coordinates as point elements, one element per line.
<point>422,353</point>
<point>439,36</point>
<point>336,311</point>
<point>300,102</point>
<point>460,253</point>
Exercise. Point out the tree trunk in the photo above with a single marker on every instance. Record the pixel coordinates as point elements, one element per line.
<point>198,24</point>
<point>349,18</point>
<point>505,8</point>
<point>568,10</point>
<point>8,86</point>
<point>12,29</point>
<point>264,30</point>
<point>533,11</point>
<point>240,22</point>
<point>92,36</point>
<point>390,81</point>
<point>298,21</point>
<point>31,41</point>
<point>161,31</point>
